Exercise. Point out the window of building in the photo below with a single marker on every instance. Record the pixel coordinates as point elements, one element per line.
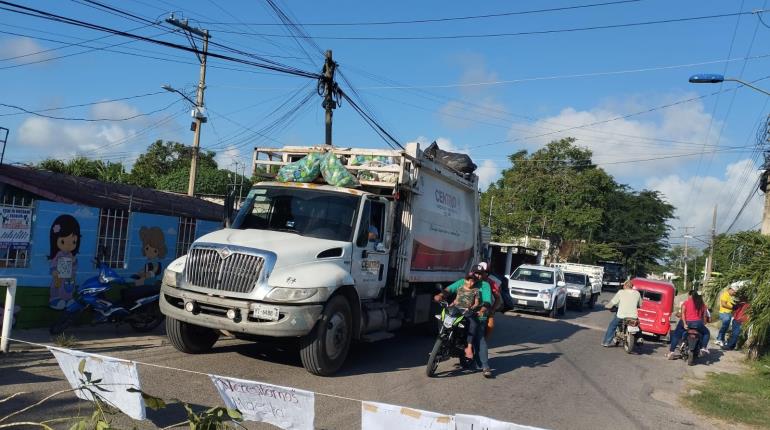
<point>113,236</point>
<point>186,235</point>
<point>17,215</point>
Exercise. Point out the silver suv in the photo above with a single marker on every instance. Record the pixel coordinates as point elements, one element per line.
<point>538,288</point>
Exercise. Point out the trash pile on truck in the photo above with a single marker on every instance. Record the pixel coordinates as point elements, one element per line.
<point>332,168</point>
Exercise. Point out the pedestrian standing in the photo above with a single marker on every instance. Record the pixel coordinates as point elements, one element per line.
<point>740,317</point>
<point>726,303</point>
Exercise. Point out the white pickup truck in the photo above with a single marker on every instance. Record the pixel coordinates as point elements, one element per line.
<point>327,265</point>
<point>538,288</point>
<point>595,276</point>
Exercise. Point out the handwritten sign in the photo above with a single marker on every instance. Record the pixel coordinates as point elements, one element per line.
<point>284,407</point>
<point>381,416</point>
<point>474,422</point>
<point>15,227</point>
<point>116,377</point>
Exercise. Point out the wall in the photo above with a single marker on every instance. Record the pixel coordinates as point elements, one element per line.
<point>35,281</point>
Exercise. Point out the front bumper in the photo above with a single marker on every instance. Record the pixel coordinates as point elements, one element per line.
<point>293,321</point>
<point>530,303</point>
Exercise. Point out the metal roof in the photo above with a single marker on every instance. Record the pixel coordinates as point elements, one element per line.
<point>64,188</point>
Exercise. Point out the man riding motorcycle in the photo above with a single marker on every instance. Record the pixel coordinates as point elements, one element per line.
<point>627,301</point>
<point>479,342</point>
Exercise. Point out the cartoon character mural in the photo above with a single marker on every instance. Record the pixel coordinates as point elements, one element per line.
<point>154,249</point>
<point>64,247</point>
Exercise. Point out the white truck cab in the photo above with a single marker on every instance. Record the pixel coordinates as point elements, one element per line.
<point>538,288</point>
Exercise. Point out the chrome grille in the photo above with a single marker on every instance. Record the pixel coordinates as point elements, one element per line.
<point>522,292</point>
<point>237,273</point>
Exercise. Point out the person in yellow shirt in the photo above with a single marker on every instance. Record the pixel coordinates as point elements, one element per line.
<point>726,302</point>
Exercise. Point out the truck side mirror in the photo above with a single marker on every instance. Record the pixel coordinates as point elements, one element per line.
<point>228,207</point>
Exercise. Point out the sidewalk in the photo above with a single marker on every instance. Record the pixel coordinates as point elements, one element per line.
<point>88,337</point>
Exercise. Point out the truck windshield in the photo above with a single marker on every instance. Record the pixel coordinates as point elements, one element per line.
<point>533,275</point>
<point>574,278</point>
<point>306,212</point>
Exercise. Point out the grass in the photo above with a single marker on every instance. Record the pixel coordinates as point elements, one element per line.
<point>65,341</point>
<point>740,398</point>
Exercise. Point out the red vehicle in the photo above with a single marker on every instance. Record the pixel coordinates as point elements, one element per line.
<point>657,305</point>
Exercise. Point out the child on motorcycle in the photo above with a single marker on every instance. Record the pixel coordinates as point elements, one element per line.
<point>466,297</point>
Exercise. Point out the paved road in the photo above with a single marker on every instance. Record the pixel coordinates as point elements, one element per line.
<point>550,374</point>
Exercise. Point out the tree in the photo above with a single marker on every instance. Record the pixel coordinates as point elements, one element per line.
<point>163,158</point>
<point>209,180</point>
<point>559,194</point>
<point>87,168</point>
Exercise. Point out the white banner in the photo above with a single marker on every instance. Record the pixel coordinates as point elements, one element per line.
<point>284,407</point>
<point>474,422</point>
<point>381,416</point>
<point>116,377</point>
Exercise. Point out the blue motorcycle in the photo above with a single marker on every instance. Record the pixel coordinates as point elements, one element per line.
<point>138,307</point>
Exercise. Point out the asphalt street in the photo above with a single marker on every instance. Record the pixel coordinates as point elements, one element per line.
<point>550,374</point>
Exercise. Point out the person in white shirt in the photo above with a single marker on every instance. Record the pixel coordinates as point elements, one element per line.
<point>628,301</point>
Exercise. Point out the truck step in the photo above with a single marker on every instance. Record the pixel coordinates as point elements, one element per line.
<point>376,336</point>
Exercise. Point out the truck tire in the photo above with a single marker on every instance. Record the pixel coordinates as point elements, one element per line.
<point>189,338</point>
<point>553,313</point>
<point>324,350</point>
<point>592,302</point>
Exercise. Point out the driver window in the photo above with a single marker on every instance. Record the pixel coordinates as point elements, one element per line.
<point>372,224</point>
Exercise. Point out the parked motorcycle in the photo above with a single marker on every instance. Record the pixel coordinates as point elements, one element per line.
<point>689,346</point>
<point>452,338</point>
<point>627,333</point>
<point>139,306</point>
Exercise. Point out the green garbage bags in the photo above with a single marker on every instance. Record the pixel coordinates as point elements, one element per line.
<point>305,170</point>
<point>335,173</point>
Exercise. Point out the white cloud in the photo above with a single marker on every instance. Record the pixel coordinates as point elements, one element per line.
<point>676,132</point>
<point>22,50</point>
<point>694,207</point>
<point>488,172</point>
<point>62,139</point>
<point>226,158</point>
<point>459,115</point>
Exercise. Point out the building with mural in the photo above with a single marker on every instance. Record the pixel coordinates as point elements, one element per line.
<point>51,226</point>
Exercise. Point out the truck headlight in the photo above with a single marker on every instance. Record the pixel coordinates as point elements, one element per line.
<point>281,294</point>
<point>170,277</point>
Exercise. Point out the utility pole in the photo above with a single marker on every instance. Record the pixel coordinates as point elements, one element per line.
<point>198,113</point>
<point>686,236</point>
<point>763,184</point>
<point>329,89</point>
<point>710,259</point>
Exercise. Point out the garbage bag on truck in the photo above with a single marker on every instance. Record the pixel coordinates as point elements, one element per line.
<point>306,169</point>
<point>460,162</point>
<point>335,173</point>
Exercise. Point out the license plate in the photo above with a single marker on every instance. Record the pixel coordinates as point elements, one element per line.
<point>523,302</point>
<point>269,313</point>
<point>632,329</point>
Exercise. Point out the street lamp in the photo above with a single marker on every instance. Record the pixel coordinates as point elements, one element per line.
<point>199,117</point>
<point>710,78</point>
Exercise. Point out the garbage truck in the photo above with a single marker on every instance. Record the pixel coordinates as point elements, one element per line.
<point>327,265</point>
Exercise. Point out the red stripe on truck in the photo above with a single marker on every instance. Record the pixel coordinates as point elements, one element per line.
<point>425,257</point>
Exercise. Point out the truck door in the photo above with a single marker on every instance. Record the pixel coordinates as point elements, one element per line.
<point>371,253</point>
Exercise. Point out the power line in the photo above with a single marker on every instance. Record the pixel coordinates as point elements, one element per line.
<point>84,104</point>
<point>431,20</point>
<point>497,35</point>
<point>128,118</point>
<point>265,64</point>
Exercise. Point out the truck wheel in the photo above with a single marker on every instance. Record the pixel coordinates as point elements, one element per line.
<point>553,313</point>
<point>189,338</point>
<point>324,350</point>
<point>592,302</point>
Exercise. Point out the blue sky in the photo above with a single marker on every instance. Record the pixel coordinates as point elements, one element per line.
<point>488,96</point>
